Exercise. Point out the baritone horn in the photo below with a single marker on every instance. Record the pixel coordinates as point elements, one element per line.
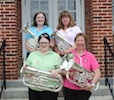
<point>32,42</point>
<point>35,78</point>
<point>77,74</point>
<point>63,44</point>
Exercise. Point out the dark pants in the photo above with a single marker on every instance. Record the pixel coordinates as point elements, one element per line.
<point>27,54</point>
<point>76,95</point>
<point>44,95</point>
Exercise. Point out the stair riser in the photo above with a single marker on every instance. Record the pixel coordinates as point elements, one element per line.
<point>17,94</point>
<point>19,83</point>
<point>16,89</point>
<point>24,93</point>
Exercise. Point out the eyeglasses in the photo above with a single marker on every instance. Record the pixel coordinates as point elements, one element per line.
<point>44,43</point>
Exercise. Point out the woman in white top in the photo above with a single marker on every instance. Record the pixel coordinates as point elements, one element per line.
<point>67,29</point>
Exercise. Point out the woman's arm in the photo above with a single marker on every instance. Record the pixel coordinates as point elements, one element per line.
<point>52,43</point>
<point>70,49</point>
<point>61,53</point>
<point>58,71</point>
<point>97,75</point>
<point>56,50</point>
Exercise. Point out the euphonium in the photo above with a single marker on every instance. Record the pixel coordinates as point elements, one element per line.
<point>77,74</point>
<point>63,44</point>
<point>35,78</point>
<point>32,42</point>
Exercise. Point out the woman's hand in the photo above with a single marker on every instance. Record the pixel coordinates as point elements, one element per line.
<point>62,53</point>
<point>54,73</point>
<point>67,51</point>
<point>87,87</point>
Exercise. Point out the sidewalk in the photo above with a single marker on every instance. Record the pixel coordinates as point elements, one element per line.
<point>101,98</point>
<point>94,98</point>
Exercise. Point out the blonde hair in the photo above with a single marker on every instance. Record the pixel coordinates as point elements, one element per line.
<point>80,34</point>
<point>62,14</point>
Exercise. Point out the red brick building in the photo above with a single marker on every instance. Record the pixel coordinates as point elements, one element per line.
<point>95,21</point>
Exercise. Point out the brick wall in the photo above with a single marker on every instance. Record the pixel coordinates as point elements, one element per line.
<point>99,20</point>
<point>19,34</point>
<point>9,27</point>
<point>88,24</point>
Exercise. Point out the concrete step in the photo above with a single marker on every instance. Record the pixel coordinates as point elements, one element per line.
<point>16,99</point>
<point>61,98</point>
<point>102,91</point>
<point>16,89</point>
<point>101,98</point>
<point>12,92</point>
<point>20,92</point>
<point>19,83</point>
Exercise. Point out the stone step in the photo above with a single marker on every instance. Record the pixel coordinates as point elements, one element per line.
<point>14,83</point>
<point>16,89</point>
<point>9,93</point>
<point>19,83</point>
<point>101,98</point>
<point>22,92</point>
<point>61,98</point>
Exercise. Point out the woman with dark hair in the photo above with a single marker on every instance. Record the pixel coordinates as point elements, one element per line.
<point>67,29</point>
<point>39,27</point>
<point>43,59</point>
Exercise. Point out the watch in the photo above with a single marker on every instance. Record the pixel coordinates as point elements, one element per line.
<point>93,85</point>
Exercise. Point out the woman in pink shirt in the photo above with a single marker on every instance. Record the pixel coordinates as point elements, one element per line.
<point>67,29</point>
<point>89,62</point>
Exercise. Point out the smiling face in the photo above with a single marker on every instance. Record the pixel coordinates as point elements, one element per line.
<point>65,20</point>
<point>40,19</point>
<point>44,44</point>
<point>80,42</point>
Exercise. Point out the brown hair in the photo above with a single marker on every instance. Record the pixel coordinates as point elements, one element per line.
<point>80,34</point>
<point>62,14</point>
<point>44,35</point>
<point>34,19</point>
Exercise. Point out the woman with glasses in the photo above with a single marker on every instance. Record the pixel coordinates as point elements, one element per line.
<point>43,59</point>
<point>39,27</point>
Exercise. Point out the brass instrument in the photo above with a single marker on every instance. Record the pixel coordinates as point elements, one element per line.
<point>76,74</point>
<point>64,44</point>
<point>35,78</point>
<point>32,42</point>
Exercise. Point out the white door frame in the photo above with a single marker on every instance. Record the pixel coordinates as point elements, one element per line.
<point>53,17</point>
